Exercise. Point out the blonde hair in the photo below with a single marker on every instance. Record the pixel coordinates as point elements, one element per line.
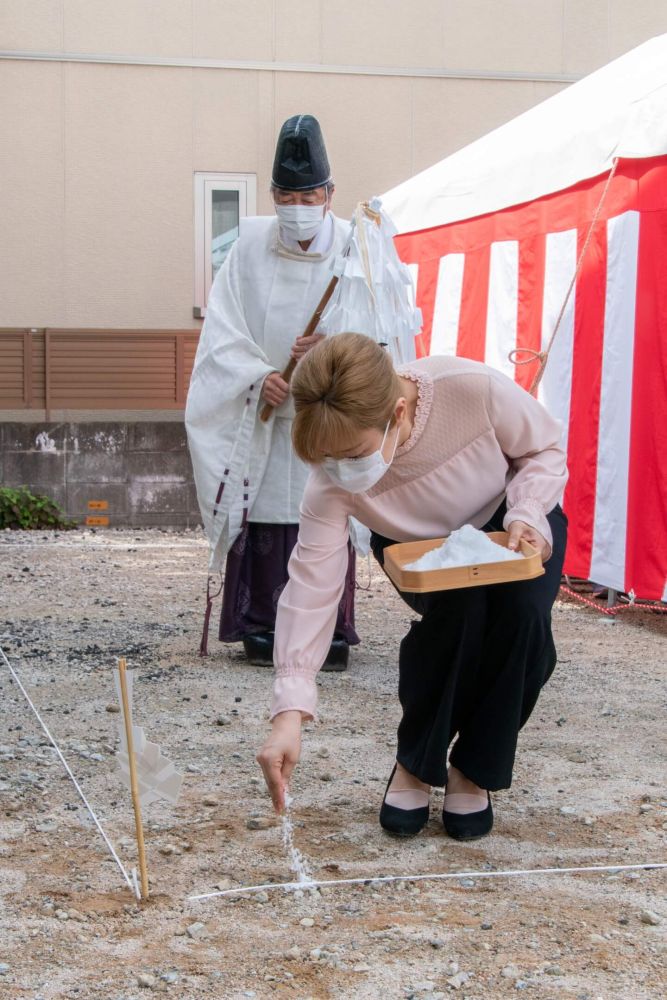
<point>345,384</point>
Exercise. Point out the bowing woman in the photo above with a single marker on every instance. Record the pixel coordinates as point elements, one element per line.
<point>415,454</point>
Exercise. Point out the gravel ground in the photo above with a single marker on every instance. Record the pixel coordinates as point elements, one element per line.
<point>588,790</point>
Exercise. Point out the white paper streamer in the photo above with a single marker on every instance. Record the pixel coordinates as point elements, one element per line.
<point>375,293</point>
<point>157,778</point>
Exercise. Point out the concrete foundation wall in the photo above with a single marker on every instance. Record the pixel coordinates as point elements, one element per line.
<point>141,469</point>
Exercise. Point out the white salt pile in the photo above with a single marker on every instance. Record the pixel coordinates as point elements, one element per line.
<point>298,863</point>
<point>465,547</point>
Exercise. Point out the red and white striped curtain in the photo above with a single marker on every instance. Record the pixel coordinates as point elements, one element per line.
<point>498,282</point>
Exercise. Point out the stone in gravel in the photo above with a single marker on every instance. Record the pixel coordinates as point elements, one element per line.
<point>146,980</point>
<point>486,927</point>
<point>258,823</point>
<point>510,972</point>
<point>326,777</point>
<point>426,987</point>
<point>650,918</point>
<point>553,970</point>
<point>170,977</point>
<point>261,897</point>
<point>361,967</point>
<point>46,826</point>
<point>223,720</point>
<point>292,954</point>
<point>76,915</point>
<point>210,800</point>
<point>307,922</point>
<point>4,968</point>
<point>171,849</point>
<point>458,980</point>
<point>645,807</point>
<point>567,811</point>
<point>62,914</point>
<point>577,757</point>
<point>196,931</point>
<point>113,709</point>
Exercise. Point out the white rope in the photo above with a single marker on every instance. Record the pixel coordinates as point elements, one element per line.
<point>543,356</point>
<point>372,879</point>
<point>85,801</point>
<point>67,543</point>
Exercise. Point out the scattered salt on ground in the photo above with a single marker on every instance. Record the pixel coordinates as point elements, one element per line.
<point>465,547</point>
<point>298,863</point>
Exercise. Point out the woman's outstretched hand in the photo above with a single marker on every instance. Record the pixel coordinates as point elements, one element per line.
<point>280,754</point>
<point>519,529</point>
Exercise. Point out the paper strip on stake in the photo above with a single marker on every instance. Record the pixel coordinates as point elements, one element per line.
<point>157,778</point>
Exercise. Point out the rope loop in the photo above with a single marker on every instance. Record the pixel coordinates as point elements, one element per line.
<point>543,356</point>
<point>532,356</point>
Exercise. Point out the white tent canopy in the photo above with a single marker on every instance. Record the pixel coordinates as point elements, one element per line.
<point>618,111</point>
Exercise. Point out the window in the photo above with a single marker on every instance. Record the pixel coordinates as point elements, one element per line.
<point>221,200</point>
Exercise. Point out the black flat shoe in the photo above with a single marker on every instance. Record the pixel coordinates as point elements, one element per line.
<point>259,648</point>
<point>469,826</point>
<point>338,656</point>
<point>402,822</point>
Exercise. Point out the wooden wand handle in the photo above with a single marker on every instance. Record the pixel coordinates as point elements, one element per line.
<point>287,373</point>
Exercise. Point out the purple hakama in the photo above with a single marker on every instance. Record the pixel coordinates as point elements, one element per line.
<point>255,574</point>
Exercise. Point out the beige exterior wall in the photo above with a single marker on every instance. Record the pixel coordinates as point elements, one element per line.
<point>97,157</point>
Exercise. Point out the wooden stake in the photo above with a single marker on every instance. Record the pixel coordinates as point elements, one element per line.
<point>133,779</point>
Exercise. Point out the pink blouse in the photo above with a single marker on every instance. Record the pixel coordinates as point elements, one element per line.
<point>477,437</point>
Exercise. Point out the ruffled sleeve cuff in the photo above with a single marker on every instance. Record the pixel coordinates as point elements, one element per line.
<point>294,694</point>
<point>532,513</point>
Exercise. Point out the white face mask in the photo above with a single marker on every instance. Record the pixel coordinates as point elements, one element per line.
<point>356,475</point>
<point>302,222</point>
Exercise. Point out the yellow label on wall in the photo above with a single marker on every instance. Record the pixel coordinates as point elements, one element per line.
<point>98,505</point>
<point>100,522</point>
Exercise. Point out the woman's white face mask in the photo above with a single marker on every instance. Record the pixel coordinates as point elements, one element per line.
<point>302,222</point>
<point>356,475</point>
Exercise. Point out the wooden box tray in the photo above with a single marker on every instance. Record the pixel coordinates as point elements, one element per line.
<point>421,581</point>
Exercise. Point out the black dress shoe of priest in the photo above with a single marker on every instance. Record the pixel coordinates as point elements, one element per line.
<point>259,648</point>
<point>338,656</point>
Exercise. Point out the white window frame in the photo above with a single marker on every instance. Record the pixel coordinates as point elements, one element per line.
<point>204,185</point>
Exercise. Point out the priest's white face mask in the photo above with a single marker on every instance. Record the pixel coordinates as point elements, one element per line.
<point>302,222</point>
<point>357,475</point>
<point>302,213</point>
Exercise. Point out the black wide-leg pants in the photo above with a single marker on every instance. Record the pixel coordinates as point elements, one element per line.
<point>472,669</point>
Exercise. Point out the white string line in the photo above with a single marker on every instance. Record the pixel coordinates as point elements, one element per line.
<point>107,546</point>
<point>69,771</point>
<point>372,879</point>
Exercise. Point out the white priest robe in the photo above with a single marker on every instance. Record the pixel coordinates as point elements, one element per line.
<point>261,300</point>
